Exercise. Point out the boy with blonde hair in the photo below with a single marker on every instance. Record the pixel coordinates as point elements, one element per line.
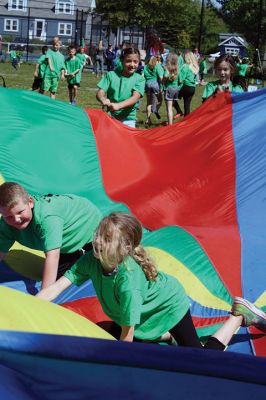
<point>62,226</point>
<point>55,69</point>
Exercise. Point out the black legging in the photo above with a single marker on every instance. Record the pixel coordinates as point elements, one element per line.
<point>187,92</point>
<point>185,335</point>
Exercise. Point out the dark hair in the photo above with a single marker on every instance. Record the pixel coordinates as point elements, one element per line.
<point>227,58</point>
<point>71,47</point>
<point>44,49</point>
<point>128,51</point>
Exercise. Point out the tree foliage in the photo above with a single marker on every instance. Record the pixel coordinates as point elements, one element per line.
<point>246,17</point>
<point>176,21</point>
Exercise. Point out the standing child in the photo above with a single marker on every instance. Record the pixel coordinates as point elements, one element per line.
<point>84,58</point>
<point>225,68</point>
<point>14,58</point>
<point>202,69</point>
<point>120,90</point>
<point>153,74</point>
<point>170,83</point>
<point>60,225</point>
<point>40,67</point>
<point>147,304</point>
<point>73,74</point>
<point>187,78</point>
<point>54,70</point>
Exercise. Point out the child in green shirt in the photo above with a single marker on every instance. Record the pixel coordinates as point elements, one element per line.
<point>225,68</point>
<point>40,67</point>
<point>120,90</point>
<point>54,70</point>
<point>147,304</point>
<point>14,58</point>
<point>73,70</point>
<point>61,226</point>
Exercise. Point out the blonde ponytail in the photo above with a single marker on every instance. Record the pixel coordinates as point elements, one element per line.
<point>141,257</point>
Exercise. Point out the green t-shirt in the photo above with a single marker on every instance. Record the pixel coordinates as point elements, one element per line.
<point>155,74</point>
<point>186,76</point>
<point>83,57</point>
<point>169,83</point>
<point>72,64</point>
<point>118,88</point>
<point>211,87</point>
<point>203,67</point>
<point>13,54</point>
<point>42,61</point>
<point>59,221</point>
<point>242,69</point>
<point>180,61</point>
<point>58,63</point>
<point>129,299</point>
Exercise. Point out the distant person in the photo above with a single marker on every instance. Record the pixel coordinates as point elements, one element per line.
<point>85,58</point>
<point>225,68</point>
<point>109,56</point>
<point>188,74</point>
<point>153,74</point>
<point>61,226</point>
<point>55,69</point>
<point>73,70</point>
<point>120,90</point>
<point>14,58</point>
<point>39,70</point>
<point>99,59</point>
<point>202,69</point>
<point>170,84</point>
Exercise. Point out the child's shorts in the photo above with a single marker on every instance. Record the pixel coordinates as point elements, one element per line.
<point>152,87</point>
<point>71,85</point>
<point>37,83</point>
<point>171,93</point>
<point>50,84</point>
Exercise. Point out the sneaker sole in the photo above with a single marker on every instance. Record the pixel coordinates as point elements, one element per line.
<point>255,310</point>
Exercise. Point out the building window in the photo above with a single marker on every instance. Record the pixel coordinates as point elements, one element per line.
<point>232,51</point>
<point>17,5</point>
<point>64,7</point>
<point>11,25</point>
<point>64,29</point>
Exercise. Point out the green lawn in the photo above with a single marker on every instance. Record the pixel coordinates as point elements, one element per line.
<point>23,78</point>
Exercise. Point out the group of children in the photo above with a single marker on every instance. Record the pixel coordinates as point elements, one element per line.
<point>175,78</point>
<point>52,66</point>
<point>144,303</point>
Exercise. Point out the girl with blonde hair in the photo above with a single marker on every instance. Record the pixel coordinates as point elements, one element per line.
<point>147,304</point>
<point>170,84</point>
<point>153,74</point>
<point>187,78</point>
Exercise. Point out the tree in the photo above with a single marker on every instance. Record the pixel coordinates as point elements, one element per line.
<point>175,21</point>
<point>247,17</point>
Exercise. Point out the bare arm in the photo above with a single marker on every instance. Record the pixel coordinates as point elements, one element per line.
<point>50,64</point>
<point>36,70</point>
<point>125,103</point>
<point>50,267</point>
<point>101,96</point>
<point>51,292</point>
<point>127,333</point>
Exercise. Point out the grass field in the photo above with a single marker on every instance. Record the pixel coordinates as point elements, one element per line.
<point>23,78</point>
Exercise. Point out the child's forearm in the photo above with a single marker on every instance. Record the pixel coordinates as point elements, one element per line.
<point>50,267</point>
<point>126,103</point>
<point>101,97</point>
<point>52,292</point>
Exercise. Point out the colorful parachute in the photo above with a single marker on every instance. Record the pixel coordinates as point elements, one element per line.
<point>198,187</point>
